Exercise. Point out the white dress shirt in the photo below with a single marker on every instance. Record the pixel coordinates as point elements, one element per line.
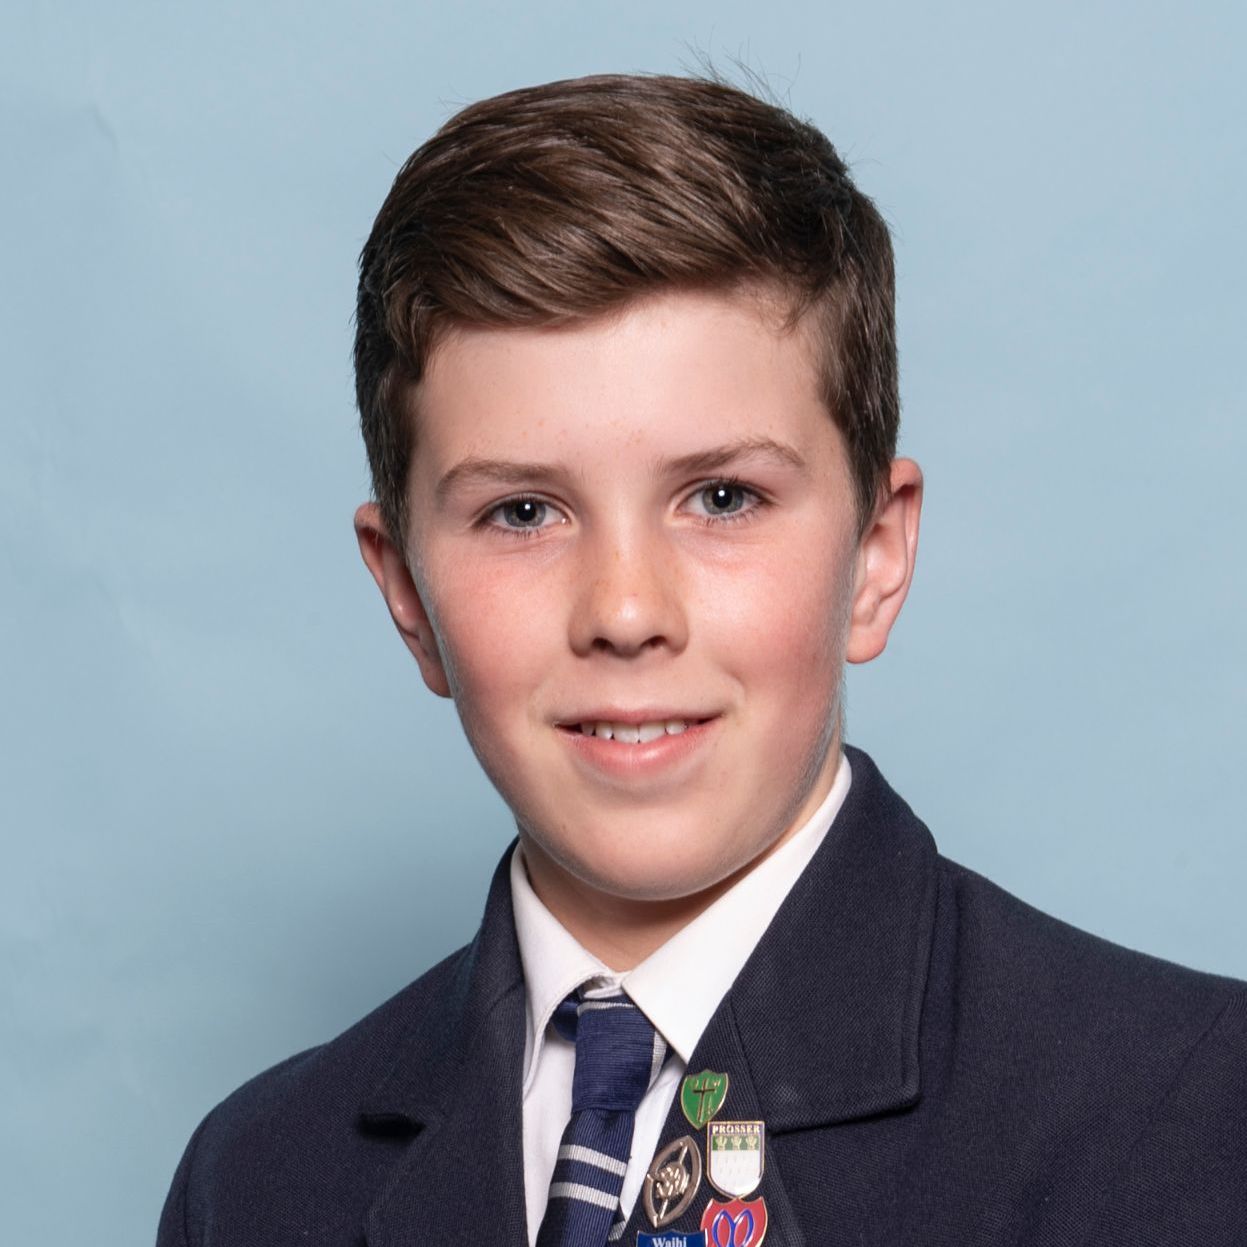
<point>679,1003</point>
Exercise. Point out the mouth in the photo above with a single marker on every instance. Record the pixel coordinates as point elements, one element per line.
<point>655,745</point>
<point>632,730</point>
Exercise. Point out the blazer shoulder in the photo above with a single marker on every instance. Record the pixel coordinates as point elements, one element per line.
<point>1057,1022</point>
<point>1182,1180</point>
<point>295,1114</point>
<point>349,1065</point>
<point>1055,974</point>
<point>1103,1072</point>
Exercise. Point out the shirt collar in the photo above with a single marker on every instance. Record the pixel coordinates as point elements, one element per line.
<point>678,986</point>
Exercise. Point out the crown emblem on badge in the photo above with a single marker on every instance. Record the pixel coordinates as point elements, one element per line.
<point>735,1156</point>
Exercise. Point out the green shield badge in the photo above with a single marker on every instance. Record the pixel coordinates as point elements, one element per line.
<point>702,1095</point>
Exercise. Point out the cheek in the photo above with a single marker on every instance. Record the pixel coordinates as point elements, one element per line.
<point>783,624</point>
<point>495,638</point>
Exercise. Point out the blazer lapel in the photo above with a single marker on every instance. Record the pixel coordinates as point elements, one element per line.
<point>829,1004</point>
<point>822,1024</point>
<point>462,1178</point>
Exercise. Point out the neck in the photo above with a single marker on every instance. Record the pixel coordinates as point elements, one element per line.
<point>618,930</point>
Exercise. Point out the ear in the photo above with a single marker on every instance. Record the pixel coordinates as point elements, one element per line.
<point>389,569</point>
<point>885,564</point>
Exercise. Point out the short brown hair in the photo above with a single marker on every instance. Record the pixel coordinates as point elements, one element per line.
<point>563,201</point>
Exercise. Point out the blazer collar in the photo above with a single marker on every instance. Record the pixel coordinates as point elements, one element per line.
<point>827,1010</point>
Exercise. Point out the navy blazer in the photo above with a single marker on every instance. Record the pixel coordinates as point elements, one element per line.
<point>936,1064</point>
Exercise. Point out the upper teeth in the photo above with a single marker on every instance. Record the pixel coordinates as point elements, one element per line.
<point>635,733</point>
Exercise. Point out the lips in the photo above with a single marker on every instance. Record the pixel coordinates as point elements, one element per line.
<point>656,746</point>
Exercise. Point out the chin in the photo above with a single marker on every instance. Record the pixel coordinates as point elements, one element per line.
<point>652,874</point>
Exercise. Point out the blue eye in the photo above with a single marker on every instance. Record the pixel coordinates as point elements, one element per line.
<point>523,516</point>
<point>723,498</point>
<point>725,501</point>
<point>523,513</point>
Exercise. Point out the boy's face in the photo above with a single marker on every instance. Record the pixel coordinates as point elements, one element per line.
<point>647,522</point>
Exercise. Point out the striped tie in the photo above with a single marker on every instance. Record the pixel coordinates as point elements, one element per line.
<point>618,1056</point>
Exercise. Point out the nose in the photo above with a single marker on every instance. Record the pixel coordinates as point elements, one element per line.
<point>629,599</point>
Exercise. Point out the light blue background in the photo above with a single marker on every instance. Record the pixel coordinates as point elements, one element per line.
<point>232,818</point>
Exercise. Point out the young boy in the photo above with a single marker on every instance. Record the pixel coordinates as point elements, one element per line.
<point>627,376</point>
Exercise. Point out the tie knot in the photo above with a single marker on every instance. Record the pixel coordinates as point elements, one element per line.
<point>618,1051</point>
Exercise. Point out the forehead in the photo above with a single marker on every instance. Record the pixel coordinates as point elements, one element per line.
<point>670,370</point>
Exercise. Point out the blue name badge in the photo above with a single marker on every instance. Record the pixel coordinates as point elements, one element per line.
<point>672,1239</point>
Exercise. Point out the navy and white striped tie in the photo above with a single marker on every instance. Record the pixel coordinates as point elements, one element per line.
<point>618,1056</point>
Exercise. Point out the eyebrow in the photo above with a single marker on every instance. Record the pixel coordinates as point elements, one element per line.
<point>718,457</point>
<point>713,459</point>
<point>504,471</point>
